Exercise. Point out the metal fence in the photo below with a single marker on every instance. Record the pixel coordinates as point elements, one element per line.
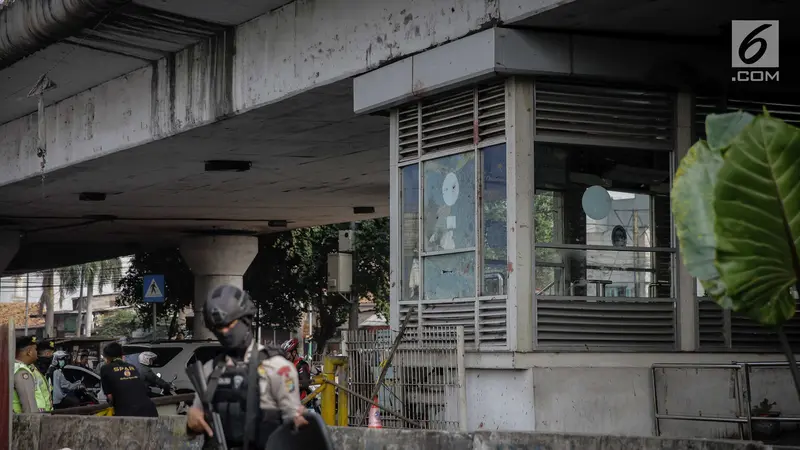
<point>741,392</point>
<point>424,383</point>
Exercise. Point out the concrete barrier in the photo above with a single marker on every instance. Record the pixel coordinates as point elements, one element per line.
<point>45,432</point>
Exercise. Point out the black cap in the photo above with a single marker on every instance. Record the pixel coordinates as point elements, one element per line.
<point>25,341</point>
<point>46,345</point>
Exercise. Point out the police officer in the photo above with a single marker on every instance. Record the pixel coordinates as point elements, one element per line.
<point>228,313</point>
<point>46,349</point>
<point>123,387</point>
<point>31,391</point>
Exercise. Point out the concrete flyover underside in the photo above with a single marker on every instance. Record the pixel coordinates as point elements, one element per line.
<point>140,106</point>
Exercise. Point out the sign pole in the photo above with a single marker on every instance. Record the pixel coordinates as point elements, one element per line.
<point>154,320</point>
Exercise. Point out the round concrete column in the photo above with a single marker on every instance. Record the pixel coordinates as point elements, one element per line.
<point>216,260</point>
<point>9,245</point>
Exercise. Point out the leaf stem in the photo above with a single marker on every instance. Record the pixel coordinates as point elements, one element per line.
<point>787,350</point>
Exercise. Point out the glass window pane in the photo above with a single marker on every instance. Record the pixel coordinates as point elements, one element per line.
<point>449,276</point>
<point>449,208</point>
<point>602,196</point>
<point>495,246</point>
<point>409,232</point>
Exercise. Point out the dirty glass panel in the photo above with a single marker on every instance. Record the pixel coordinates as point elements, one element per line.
<point>449,206</point>
<point>493,206</point>
<point>409,231</point>
<point>603,273</point>
<point>449,276</point>
<point>547,229</point>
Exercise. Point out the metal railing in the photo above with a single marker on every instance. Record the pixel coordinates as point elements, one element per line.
<point>742,387</point>
<point>424,383</point>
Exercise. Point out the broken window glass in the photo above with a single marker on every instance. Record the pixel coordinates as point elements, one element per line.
<point>449,206</point>
<point>450,276</point>
<point>493,205</point>
<point>409,231</point>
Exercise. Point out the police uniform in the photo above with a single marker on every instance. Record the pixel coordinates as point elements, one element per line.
<point>31,390</point>
<point>129,393</point>
<point>278,392</point>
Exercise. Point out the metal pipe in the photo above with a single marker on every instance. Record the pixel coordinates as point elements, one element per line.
<point>703,418</point>
<point>32,25</point>
<point>383,408</point>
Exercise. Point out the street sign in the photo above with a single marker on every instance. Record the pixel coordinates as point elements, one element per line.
<point>153,289</point>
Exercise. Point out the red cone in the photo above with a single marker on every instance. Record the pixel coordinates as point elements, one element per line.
<point>374,415</point>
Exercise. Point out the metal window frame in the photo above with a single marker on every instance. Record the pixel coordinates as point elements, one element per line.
<point>396,207</point>
<point>610,143</point>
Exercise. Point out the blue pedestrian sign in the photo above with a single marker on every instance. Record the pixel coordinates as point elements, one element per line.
<point>153,289</point>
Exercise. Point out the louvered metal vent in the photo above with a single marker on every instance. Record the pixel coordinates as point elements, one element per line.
<point>711,326</point>
<point>704,105</point>
<point>492,320</point>
<point>745,334</point>
<point>598,324</point>
<point>456,313</point>
<point>408,132</point>
<point>451,121</point>
<point>567,113</point>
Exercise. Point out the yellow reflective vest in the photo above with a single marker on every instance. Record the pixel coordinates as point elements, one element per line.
<point>41,389</point>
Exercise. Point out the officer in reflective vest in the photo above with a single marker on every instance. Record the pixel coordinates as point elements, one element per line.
<point>31,391</point>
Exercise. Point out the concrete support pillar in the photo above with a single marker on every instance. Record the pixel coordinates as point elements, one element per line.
<point>9,245</point>
<point>216,260</point>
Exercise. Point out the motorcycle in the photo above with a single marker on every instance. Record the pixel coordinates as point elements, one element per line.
<point>183,407</point>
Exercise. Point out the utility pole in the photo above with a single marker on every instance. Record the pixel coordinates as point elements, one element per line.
<point>27,296</point>
<point>353,325</point>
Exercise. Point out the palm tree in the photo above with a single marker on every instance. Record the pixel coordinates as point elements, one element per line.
<point>89,275</point>
<point>46,301</point>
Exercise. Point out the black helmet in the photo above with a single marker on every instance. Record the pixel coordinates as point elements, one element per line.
<point>226,304</point>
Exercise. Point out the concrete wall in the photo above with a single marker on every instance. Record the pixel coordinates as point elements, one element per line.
<point>292,49</point>
<point>574,394</point>
<point>40,432</point>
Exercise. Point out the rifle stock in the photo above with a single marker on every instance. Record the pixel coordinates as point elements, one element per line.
<point>198,380</point>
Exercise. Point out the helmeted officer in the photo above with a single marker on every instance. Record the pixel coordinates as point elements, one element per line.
<point>31,390</point>
<point>228,313</point>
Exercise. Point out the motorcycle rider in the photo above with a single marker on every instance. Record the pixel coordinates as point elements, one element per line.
<point>65,393</point>
<point>303,369</point>
<point>146,360</point>
<point>253,391</point>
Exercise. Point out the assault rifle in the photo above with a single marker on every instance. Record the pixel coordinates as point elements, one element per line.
<point>198,379</point>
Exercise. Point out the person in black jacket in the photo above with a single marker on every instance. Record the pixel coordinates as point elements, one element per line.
<point>123,386</point>
<point>146,360</point>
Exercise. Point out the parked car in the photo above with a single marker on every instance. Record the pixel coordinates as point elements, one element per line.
<point>90,380</point>
<point>173,358</point>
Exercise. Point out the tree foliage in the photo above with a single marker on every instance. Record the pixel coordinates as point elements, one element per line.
<point>288,276</point>
<point>117,324</point>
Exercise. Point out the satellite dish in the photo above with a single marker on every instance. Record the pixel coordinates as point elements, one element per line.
<point>596,202</point>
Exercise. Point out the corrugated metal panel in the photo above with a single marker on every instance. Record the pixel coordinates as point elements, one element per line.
<point>705,105</point>
<point>604,324</point>
<point>602,115</point>
<point>460,119</point>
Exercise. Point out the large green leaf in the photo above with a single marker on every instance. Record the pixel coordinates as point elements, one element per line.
<point>757,207</point>
<point>692,200</point>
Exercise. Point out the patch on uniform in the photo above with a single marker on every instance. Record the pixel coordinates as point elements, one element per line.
<point>127,373</point>
<point>284,371</point>
<point>262,370</point>
<point>289,383</point>
<point>25,375</point>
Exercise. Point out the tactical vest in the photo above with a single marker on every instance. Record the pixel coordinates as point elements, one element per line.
<point>230,401</point>
<point>41,389</point>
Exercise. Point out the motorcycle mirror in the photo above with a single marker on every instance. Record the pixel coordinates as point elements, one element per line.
<point>175,377</point>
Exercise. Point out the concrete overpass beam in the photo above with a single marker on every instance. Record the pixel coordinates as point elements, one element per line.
<point>216,260</point>
<point>9,245</point>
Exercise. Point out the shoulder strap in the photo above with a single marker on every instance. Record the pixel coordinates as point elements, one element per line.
<point>213,379</point>
<point>253,397</point>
